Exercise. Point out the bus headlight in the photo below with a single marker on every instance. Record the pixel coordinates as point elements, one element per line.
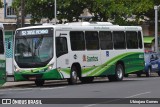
<point>16,69</point>
<point>50,67</point>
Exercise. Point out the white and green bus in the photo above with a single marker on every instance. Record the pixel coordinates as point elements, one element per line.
<point>2,57</point>
<point>80,50</point>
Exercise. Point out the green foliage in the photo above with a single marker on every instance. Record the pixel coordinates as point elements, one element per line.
<point>1,4</point>
<point>116,10</point>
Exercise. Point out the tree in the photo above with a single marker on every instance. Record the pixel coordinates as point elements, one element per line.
<point>116,10</point>
<point>1,4</point>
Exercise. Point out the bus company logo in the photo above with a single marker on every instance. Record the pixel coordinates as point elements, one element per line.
<point>90,58</point>
<point>6,101</point>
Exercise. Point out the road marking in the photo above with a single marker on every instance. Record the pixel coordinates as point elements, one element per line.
<point>20,89</point>
<point>52,88</point>
<point>90,105</point>
<point>138,94</point>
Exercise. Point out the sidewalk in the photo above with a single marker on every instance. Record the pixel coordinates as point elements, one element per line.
<point>14,84</point>
<point>9,84</point>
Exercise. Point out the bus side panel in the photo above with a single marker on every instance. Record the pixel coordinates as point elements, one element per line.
<point>134,61</point>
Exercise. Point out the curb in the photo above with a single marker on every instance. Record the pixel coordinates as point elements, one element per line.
<point>25,83</point>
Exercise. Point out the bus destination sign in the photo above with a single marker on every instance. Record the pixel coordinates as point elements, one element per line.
<point>34,32</point>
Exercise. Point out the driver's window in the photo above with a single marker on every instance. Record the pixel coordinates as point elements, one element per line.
<point>61,46</point>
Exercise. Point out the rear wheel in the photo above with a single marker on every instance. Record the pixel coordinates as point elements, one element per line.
<point>119,73</point>
<point>39,82</point>
<point>73,76</point>
<point>148,73</point>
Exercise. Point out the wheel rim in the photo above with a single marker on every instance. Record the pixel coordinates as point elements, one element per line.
<point>119,72</point>
<point>74,76</point>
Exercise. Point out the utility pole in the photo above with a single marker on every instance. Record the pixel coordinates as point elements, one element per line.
<point>156,8</point>
<point>55,11</point>
<point>22,13</point>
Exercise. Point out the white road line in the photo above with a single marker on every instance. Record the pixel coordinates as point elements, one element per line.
<point>138,94</point>
<point>51,88</point>
<point>20,89</point>
<point>89,105</point>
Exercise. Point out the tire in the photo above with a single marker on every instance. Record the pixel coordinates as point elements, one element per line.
<point>119,73</point>
<point>148,73</point>
<point>73,76</point>
<point>39,82</point>
<point>86,79</point>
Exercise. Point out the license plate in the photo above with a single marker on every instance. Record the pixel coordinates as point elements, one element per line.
<point>32,78</point>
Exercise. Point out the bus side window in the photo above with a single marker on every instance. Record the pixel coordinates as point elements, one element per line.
<point>140,40</point>
<point>61,46</point>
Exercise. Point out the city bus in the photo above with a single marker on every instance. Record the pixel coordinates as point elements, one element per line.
<point>77,51</point>
<point>2,57</point>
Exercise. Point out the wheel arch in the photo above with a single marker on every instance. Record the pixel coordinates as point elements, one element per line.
<point>78,67</point>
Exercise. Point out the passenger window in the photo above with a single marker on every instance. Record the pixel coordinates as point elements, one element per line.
<point>105,40</point>
<point>61,46</point>
<point>132,40</point>
<point>140,40</point>
<point>92,41</point>
<point>119,40</point>
<point>77,40</point>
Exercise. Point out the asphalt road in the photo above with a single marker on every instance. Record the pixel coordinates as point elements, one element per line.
<point>131,87</point>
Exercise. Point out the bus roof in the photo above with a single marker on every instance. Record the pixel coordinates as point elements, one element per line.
<point>85,26</point>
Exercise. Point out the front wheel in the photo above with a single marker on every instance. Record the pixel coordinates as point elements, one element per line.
<point>119,73</point>
<point>73,76</point>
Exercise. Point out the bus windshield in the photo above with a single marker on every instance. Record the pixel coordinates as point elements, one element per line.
<point>33,50</point>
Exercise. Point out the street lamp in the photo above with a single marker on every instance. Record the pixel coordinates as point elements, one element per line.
<point>156,8</point>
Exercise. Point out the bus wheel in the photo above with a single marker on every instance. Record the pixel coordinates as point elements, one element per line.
<point>39,82</point>
<point>119,73</point>
<point>148,73</point>
<point>73,76</point>
<point>86,79</point>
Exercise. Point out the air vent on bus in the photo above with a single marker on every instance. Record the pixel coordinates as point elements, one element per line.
<point>90,23</point>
